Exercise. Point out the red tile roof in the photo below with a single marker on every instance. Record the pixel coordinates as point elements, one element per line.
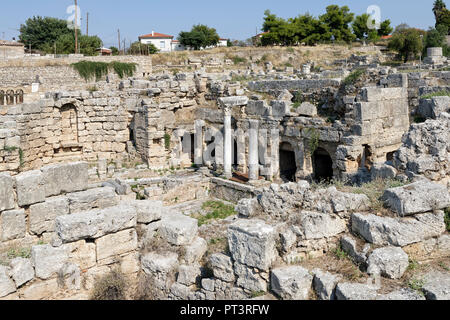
<point>155,35</point>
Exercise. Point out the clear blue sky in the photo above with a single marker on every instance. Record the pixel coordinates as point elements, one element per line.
<point>236,19</point>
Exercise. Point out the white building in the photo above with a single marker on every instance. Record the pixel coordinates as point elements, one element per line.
<point>166,43</point>
<point>161,41</point>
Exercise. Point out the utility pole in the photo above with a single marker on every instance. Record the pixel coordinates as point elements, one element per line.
<point>76,27</point>
<point>124,45</point>
<point>87,24</point>
<point>118,31</point>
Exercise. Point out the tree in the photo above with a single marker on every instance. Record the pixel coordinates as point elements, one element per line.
<point>362,31</point>
<point>436,37</point>
<point>114,51</point>
<point>200,36</point>
<point>441,14</point>
<point>438,7</point>
<point>338,20</point>
<point>137,48</point>
<point>65,44</point>
<point>407,42</point>
<point>42,33</point>
<point>229,43</point>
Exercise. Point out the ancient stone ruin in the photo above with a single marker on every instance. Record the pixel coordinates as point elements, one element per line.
<point>242,182</point>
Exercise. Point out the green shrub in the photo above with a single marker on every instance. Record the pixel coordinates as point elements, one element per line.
<point>123,69</point>
<point>441,93</point>
<point>90,69</point>
<point>216,210</point>
<point>353,77</point>
<point>447,218</point>
<point>167,141</point>
<point>238,60</point>
<point>109,287</point>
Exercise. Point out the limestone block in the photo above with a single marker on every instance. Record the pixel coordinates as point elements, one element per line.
<point>316,225</point>
<point>390,262</point>
<point>64,178</point>
<point>355,291</point>
<point>148,211</point>
<point>402,294</point>
<point>291,283</point>
<point>42,215</point>
<point>437,285</point>
<point>417,197</point>
<point>249,278</point>
<point>82,254</point>
<point>13,224</point>
<point>40,290</point>
<point>195,251</point>
<point>222,267</point>
<point>6,192</point>
<point>94,198</point>
<point>7,285</point>
<point>307,109</point>
<point>178,229</point>
<point>324,284</point>
<point>154,263</point>
<point>399,231</point>
<point>30,188</point>
<point>22,271</point>
<point>189,275</point>
<point>116,244</point>
<point>47,260</point>
<point>252,242</point>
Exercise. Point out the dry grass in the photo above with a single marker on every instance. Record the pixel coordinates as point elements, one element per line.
<point>111,286</point>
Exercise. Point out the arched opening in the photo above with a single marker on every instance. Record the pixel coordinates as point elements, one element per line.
<point>10,97</point>
<point>235,154</point>
<point>2,97</point>
<point>390,156</point>
<point>69,126</point>
<point>288,165</point>
<point>19,96</point>
<point>323,165</point>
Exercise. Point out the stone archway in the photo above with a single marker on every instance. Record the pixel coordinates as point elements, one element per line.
<point>288,163</point>
<point>322,165</point>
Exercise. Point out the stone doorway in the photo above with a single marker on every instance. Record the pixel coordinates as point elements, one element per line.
<point>288,164</point>
<point>69,126</point>
<point>323,165</point>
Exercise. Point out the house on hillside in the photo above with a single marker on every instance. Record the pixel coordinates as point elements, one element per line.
<point>163,42</point>
<point>166,43</point>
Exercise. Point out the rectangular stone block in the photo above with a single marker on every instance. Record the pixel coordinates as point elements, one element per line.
<point>63,178</point>
<point>13,224</point>
<point>6,192</point>
<point>47,260</point>
<point>94,198</point>
<point>42,215</point>
<point>30,188</point>
<point>116,244</point>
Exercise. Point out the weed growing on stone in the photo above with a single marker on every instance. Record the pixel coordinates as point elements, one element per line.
<point>447,218</point>
<point>19,253</point>
<point>111,286</point>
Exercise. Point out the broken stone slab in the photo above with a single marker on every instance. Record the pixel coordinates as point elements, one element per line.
<point>291,283</point>
<point>417,197</point>
<point>382,171</point>
<point>178,229</point>
<point>22,271</point>
<point>154,263</point>
<point>432,108</point>
<point>121,187</point>
<point>195,251</point>
<point>42,215</point>
<point>222,266</point>
<point>30,188</point>
<point>69,277</point>
<point>389,262</point>
<point>324,284</point>
<point>90,199</point>
<point>307,109</point>
<point>189,275</point>
<point>402,294</point>
<point>47,260</point>
<point>348,202</point>
<point>398,232</point>
<point>316,225</point>
<point>95,223</point>
<point>349,246</point>
<point>233,101</point>
<point>13,224</point>
<point>148,211</point>
<point>437,285</point>
<point>246,208</point>
<point>252,242</point>
<point>64,178</point>
<point>7,285</point>
<point>249,278</point>
<point>6,192</point>
<point>355,291</point>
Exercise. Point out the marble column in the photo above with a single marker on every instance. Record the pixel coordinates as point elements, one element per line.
<point>227,143</point>
<point>198,142</point>
<point>275,152</point>
<point>253,159</point>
